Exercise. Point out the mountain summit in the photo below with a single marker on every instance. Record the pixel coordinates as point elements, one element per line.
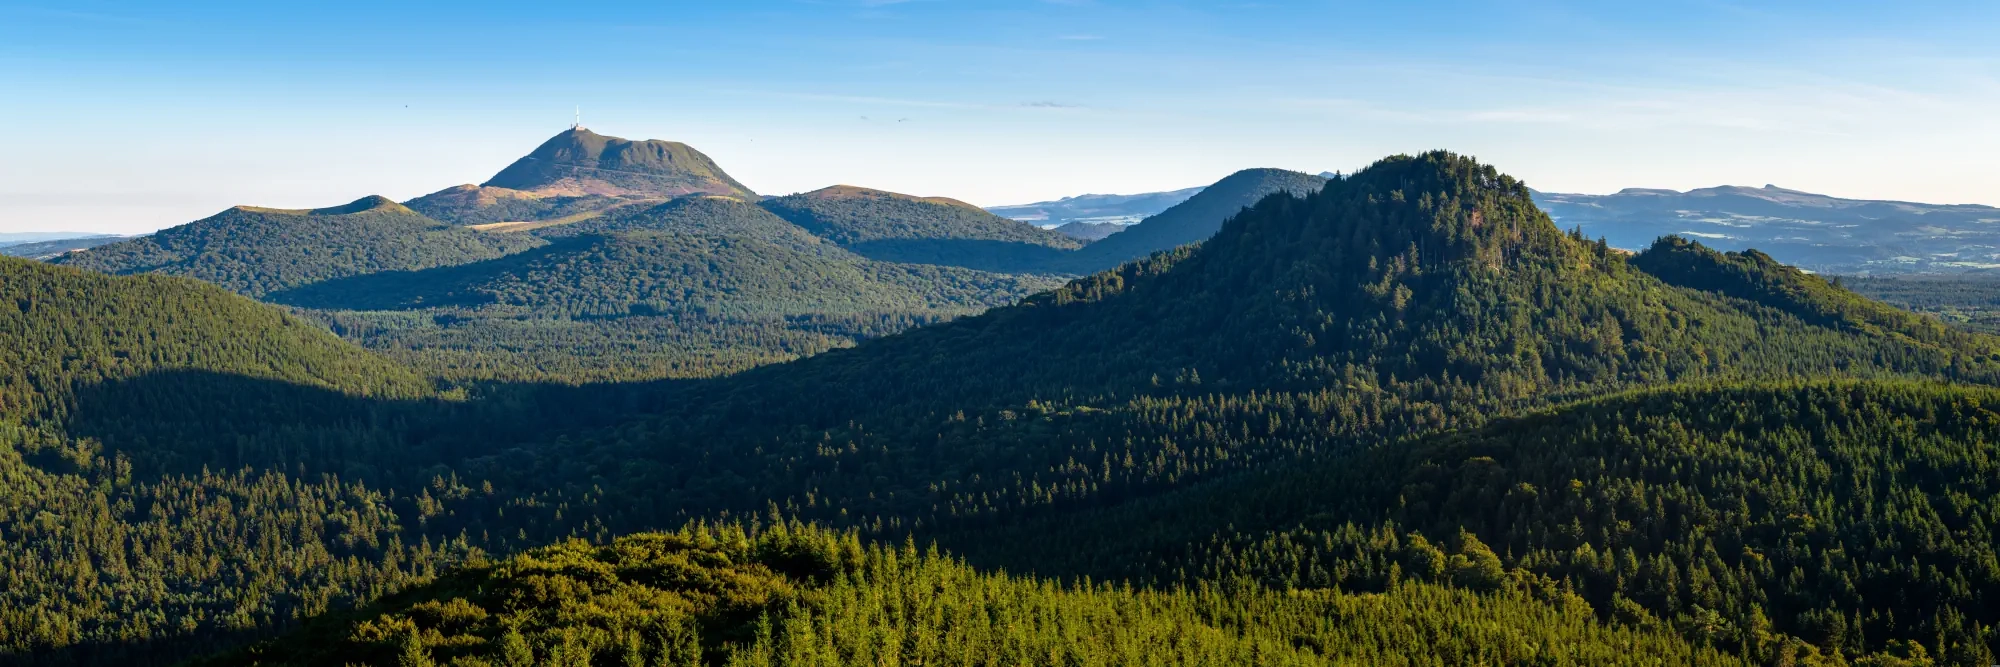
<point>582,162</point>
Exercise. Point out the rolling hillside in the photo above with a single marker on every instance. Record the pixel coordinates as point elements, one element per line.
<point>921,230</point>
<point>256,251</point>
<point>68,329</point>
<point>692,287</point>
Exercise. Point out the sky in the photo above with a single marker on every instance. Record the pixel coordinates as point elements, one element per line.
<point>127,117</point>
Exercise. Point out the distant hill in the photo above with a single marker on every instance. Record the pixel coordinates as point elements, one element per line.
<point>50,249</point>
<point>685,271</point>
<point>1818,232</point>
<point>922,230</point>
<point>1089,231</point>
<point>694,286</point>
<point>1192,220</point>
<point>1099,209</point>
<point>17,238</point>
<point>578,162</point>
<point>256,251</point>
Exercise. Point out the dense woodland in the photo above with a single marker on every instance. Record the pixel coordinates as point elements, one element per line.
<point>793,595</point>
<point>1401,418</point>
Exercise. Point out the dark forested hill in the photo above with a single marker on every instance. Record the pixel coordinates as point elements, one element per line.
<point>110,387</point>
<point>256,251</point>
<point>1423,294</point>
<point>579,162</point>
<point>1429,278</point>
<point>1854,516</point>
<point>66,329</point>
<point>922,230</point>
<point>1192,220</point>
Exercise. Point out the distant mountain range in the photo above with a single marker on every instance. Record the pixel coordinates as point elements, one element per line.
<point>55,244</point>
<point>17,238</point>
<point>1814,231</point>
<point>1094,210</point>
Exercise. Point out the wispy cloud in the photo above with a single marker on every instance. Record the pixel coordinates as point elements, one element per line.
<point>1046,104</point>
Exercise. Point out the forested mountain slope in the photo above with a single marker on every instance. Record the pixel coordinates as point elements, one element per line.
<point>1422,294</point>
<point>695,286</point>
<point>1856,516</point>
<point>1429,281</point>
<point>107,384</point>
<point>650,273</point>
<point>65,329</point>
<point>923,230</point>
<point>256,251</point>
<point>791,595</point>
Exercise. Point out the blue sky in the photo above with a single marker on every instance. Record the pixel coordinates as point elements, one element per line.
<point>133,116</point>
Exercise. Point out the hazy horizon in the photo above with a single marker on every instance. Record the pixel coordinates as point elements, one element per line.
<point>129,117</point>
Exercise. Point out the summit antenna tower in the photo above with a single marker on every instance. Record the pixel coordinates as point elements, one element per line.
<point>579,119</point>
